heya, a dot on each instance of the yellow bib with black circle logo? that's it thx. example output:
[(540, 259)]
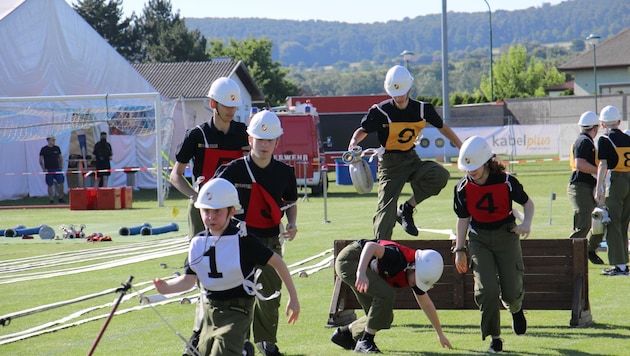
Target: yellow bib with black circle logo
[(402, 135)]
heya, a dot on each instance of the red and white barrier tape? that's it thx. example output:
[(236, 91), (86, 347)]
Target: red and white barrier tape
[(88, 172)]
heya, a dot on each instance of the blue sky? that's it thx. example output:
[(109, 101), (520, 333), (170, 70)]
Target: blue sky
[(331, 10)]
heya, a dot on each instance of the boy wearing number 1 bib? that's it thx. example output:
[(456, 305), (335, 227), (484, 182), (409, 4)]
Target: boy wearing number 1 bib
[(223, 258)]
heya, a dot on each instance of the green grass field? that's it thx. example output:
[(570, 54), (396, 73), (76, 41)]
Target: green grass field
[(343, 215)]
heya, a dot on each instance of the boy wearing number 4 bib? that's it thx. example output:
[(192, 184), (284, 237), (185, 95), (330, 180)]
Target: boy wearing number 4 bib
[(483, 205), (224, 258)]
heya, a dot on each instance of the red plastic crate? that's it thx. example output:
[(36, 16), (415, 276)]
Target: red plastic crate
[(126, 197), (108, 198), (82, 198), (78, 199)]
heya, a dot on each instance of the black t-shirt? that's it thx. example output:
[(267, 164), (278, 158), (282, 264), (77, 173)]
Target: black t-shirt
[(416, 111), (193, 146), (277, 178), (51, 157), (584, 148), (102, 152), (606, 150), (393, 261)]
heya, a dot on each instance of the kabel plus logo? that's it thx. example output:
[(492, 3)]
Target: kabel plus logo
[(528, 142)]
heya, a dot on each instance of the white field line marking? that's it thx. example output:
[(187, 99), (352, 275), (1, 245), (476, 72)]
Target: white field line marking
[(50, 306), (44, 328), (308, 259), (327, 262), (98, 266), (102, 247), (79, 256), (107, 257), (83, 321)]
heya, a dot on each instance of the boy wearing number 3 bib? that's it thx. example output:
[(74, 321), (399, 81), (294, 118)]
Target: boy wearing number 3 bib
[(483, 205), (224, 258)]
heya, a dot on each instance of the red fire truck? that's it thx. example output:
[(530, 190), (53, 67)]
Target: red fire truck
[(300, 145)]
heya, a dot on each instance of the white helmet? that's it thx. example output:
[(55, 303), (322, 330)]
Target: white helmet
[(429, 267), (475, 152), (609, 115), (225, 91), (217, 193), (398, 81), (588, 119), (265, 125)]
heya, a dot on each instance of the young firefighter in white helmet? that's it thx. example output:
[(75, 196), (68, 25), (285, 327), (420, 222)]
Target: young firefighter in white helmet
[(483, 205), (217, 141), (398, 122), (613, 150), (373, 269), (267, 188), (581, 188), (211, 144), (224, 259)]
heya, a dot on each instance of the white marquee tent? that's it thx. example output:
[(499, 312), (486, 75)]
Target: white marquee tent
[(49, 50)]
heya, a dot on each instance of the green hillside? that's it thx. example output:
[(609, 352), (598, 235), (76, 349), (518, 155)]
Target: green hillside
[(311, 43)]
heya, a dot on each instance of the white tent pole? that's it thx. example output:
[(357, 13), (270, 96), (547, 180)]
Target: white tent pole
[(158, 149)]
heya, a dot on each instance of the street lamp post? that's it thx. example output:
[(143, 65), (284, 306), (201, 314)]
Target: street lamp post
[(491, 74), (593, 40), (407, 56)]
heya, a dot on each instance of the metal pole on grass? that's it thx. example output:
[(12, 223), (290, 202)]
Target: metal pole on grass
[(304, 172), (325, 184), (594, 40), (491, 74), (551, 199), (122, 290)]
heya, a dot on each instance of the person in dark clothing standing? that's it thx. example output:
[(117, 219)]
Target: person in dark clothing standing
[(102, 156), (581, 188), (51, 161)]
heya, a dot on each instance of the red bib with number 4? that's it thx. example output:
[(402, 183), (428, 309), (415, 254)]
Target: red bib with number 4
[(488, 203)]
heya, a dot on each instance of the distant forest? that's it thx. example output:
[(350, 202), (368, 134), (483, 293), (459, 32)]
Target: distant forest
[(321, 43)]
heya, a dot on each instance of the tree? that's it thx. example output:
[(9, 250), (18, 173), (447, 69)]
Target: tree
[(256, 55), (166, 37), (106, 17), (514, 77)]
